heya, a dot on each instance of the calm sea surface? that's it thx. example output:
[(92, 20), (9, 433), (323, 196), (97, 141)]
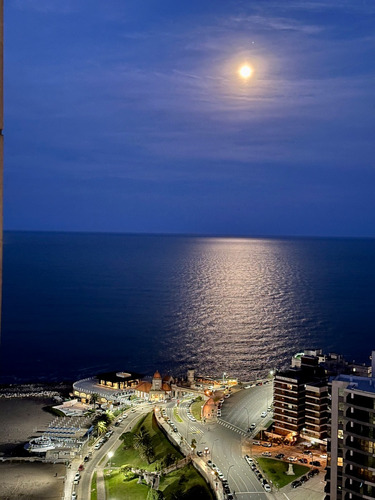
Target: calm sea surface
[(75, 304)]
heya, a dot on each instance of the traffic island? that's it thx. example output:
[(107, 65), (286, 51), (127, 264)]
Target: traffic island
[(276, 471)]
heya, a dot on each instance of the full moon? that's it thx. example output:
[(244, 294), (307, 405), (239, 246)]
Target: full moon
[(245, 71)]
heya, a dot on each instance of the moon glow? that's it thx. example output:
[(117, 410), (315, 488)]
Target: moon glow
[(245, 71)]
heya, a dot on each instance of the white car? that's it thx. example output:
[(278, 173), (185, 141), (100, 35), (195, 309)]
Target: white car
[(77, 476), (248, 459), (263, 414), (74, 495), (292, 459), (323, 456), (267, 488)]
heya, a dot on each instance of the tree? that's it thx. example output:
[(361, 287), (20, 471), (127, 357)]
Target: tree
[(193, 443), (100, 427), (128, 440), (108, 416), (168, 460), (143, 443), (94, 398)]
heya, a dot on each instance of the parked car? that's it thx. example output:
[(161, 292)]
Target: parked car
[(209, 463), (252, 426), (74, 495), (307, 452), (302, 460), (304, 479), (256, 442), (86, 459), (280, 455), (248, 459), (295, 484), (315, 463), (323, 456), (263, 414), (267, 487), (292, 459), (77, 476), (266, 444), (200, 453), (267, 454), (81, 467)]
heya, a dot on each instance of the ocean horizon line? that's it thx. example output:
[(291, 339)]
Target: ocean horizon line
[(193, 235)]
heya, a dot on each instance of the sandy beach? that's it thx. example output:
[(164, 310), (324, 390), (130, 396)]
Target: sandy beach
[(21, 419), (31, 481)]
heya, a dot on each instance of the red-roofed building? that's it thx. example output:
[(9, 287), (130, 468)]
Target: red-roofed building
[(159, 390)]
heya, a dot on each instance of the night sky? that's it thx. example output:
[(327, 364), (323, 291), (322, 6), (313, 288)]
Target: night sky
[(131, 116)]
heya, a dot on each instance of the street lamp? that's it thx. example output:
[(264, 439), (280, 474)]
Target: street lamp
[(229, 468), (110, 455)]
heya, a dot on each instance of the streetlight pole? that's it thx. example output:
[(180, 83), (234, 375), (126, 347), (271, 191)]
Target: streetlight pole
[(110, 455), (229, 468)]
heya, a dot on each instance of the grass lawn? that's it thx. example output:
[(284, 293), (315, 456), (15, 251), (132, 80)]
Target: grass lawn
[(116, 487), (185, 483), (160, 444), (275, 470), (94, 492), (196, 409)]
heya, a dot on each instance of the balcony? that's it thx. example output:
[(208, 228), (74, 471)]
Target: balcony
[(360, 459), (361, 445), (359, 415), (360, 431)]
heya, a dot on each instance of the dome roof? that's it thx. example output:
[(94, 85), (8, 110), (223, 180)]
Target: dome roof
[(157, 375)]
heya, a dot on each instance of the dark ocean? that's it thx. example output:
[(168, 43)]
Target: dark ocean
[(75, 304)]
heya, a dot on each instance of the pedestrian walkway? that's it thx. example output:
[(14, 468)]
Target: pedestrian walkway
[(232, 427), (100, 484)]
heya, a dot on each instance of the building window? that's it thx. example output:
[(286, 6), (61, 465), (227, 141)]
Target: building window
[(340, 434), (339, 461)]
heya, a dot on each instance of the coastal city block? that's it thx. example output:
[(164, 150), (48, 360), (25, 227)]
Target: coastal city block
[(306, 430)]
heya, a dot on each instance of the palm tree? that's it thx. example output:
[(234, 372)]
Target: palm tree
[(100, 427), (109, 416), (94, 398)]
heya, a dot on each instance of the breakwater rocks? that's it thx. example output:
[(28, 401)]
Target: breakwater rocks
[(35, 390)]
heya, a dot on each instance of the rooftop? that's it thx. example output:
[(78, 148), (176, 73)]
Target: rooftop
[(361, 384)]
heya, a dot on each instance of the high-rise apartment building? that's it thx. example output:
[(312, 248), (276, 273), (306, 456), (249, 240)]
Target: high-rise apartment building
[(301, 398), (351, 438), (301, 395)]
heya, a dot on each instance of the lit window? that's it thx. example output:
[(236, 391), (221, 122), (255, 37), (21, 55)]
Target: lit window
[(339, 461), (340, 434)]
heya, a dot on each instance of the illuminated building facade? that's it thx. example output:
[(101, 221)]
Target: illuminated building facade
[(351, 441)]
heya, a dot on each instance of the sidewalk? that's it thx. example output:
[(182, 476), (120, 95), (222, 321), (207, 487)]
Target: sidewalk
[(100, 484)]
